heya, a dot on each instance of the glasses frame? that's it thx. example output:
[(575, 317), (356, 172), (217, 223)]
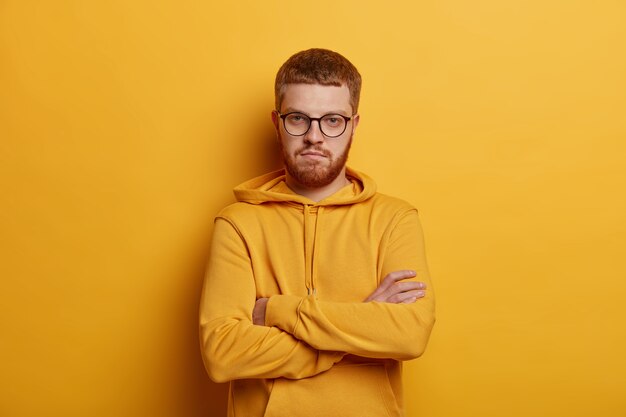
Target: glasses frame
[(319, 122)]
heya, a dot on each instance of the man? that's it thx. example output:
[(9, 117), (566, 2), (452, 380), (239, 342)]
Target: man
[(316, 285)]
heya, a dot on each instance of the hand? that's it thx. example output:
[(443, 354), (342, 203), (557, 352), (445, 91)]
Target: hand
[(258, 314), (391, 290)]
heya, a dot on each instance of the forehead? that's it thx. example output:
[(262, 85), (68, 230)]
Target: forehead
[(316, 99)]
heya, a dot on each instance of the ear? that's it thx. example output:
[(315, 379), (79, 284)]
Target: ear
[(276, 122), (355, 121)]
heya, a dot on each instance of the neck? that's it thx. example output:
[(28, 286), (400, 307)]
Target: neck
[(318, 193)]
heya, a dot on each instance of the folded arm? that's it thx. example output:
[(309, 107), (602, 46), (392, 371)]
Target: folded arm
[(397, 330), (232, 346)]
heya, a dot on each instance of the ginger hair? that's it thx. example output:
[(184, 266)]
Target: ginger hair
[(318, 66)]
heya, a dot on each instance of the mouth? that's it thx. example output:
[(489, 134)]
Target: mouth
[(312, 157), (310, 153)]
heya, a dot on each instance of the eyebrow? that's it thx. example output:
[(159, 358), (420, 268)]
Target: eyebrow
[(292, 109)]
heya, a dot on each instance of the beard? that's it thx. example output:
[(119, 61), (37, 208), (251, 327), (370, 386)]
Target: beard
[(315, 174)]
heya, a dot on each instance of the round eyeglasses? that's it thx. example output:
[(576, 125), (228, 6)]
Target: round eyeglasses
[(298, 124)]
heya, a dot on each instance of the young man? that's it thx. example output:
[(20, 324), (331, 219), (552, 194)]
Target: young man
[(317, 286)]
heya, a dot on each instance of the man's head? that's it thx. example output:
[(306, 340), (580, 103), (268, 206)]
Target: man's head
[(317, 96), (318, 66)]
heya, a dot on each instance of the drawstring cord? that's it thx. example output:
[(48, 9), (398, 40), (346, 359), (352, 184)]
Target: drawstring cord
[(310, 261)]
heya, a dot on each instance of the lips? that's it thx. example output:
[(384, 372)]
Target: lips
[(314, 152)]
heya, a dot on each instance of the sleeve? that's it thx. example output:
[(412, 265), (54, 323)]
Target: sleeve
[(232, 346), (372, 329)]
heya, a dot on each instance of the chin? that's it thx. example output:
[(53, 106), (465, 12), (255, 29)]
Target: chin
[(314, 177)]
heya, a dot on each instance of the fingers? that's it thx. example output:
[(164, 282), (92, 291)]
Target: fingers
[(391, 293), (406, 297), (402, 292), (258, 313), (396, 276), (407, 286), (391, 286), (389, 280)]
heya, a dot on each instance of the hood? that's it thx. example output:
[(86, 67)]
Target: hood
[(272, 187)]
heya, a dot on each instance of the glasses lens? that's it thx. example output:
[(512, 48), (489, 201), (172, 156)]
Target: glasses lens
[(297, 123), (333, 125)]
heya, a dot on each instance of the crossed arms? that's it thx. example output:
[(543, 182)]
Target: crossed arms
[(298, 337)]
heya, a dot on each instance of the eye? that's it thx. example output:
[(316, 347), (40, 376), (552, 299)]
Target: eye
[(296, 118), (333, 120)]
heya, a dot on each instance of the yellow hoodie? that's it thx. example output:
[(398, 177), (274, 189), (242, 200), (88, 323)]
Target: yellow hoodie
[(323, 351)]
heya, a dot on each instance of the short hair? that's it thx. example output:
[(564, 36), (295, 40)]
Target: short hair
[(318, 66)]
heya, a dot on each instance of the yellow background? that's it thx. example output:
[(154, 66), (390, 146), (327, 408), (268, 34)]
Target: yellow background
[(124, 126)]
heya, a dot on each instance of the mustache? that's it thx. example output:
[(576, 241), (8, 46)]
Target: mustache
[(324, 152)]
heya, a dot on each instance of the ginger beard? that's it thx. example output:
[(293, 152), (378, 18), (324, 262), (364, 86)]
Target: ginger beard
[(314, 174)]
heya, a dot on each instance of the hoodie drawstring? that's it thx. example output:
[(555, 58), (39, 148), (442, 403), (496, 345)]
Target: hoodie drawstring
[(316, 248), (311, 231)]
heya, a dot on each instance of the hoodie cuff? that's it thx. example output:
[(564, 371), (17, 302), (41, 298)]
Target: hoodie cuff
[(282, 311)]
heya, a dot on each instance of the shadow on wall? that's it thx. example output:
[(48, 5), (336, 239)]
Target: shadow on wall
[(259, 153), (217, 396)]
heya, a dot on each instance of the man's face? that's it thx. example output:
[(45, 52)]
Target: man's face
[(314, 160)]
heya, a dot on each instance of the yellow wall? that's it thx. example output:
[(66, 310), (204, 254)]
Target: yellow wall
[(125, 124)]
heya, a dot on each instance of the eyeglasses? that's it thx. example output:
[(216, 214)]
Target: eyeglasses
[(331, 125)]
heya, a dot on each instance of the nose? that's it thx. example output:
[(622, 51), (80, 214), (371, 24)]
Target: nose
[(314, 134)]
